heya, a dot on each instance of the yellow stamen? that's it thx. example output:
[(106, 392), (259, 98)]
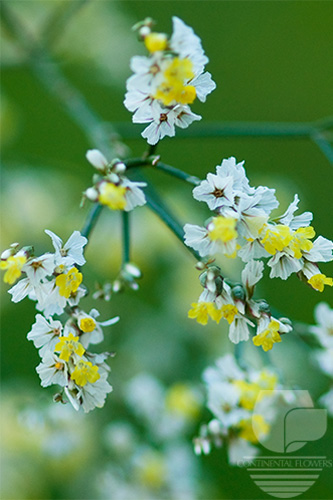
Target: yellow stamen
[(222, 229), (69, 345), (156, 41), (113, 196), (229, 312), (276, 238), (268, 337), (85, 372), (301, 242), (69, 283), (87, 324), (13, 266), (201, 311), (318, 282)]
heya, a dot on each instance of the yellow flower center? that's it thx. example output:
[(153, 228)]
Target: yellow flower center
[(318, 281), (276, 238), (301, 242), (222, 229), (113, 196), (229, 312), (69, 283), (201, 311), (13, 266), (85, 372), (174, 87), (87, 324), (67, 346), (268, 337), (156, 41)]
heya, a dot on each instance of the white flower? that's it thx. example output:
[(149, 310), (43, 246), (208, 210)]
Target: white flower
[(162, 123), (216, 191), (324, 328), (52, 370), (283, 265), (223, 399), (50, 301), (165, 83), (134, 196), (45, 334), (321, 250), (21, 290), (229, 167), (239, 329), (220, 236), (91, 328), (187, 44), (72, 251), (38, 268), (91, 396), (252, 273), (298, 221)]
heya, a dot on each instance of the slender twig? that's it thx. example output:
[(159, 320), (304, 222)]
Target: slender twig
[(126, 237), (170, 221), (323, 145), (91, 219), (163, 167)]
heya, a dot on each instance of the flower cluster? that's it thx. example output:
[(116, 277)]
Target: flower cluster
[(323, 333), (166, 82), (243, 404), (111, 187), (54, 282), (241, 225)]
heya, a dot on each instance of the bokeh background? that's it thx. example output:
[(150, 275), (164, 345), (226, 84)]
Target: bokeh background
[(272, 62)]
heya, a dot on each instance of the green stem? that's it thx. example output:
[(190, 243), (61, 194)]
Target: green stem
[(91, 219), (126, 237), (163, 167), (170, 221)]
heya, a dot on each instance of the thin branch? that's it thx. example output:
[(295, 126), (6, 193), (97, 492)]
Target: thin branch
[(324, 145), (170, 221), (126, 237), (91, 219), (163, 167)]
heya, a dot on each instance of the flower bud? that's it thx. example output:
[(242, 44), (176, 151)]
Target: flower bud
[(133, 270), (238, 292), (91, 193)]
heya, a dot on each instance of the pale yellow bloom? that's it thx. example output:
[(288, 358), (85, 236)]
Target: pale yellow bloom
[(318, 281), (201, 311)]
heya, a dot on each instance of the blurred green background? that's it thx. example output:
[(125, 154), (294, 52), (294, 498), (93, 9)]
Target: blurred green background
[(272, 62)]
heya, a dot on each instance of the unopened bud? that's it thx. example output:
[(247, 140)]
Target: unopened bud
[(91, 193), (144, 31), (238, 292), (119, 167), (117, 286), (264, 307), (133, 270)]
